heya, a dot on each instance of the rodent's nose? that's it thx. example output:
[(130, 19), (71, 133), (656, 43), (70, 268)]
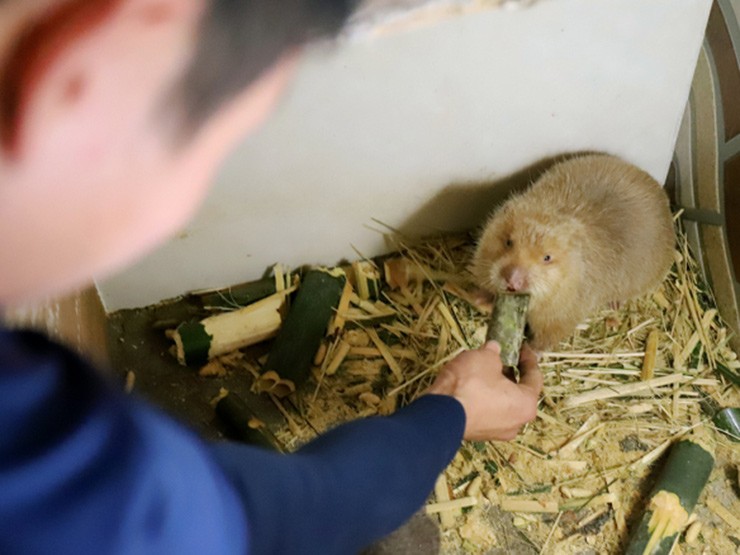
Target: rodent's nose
[(515, 278)]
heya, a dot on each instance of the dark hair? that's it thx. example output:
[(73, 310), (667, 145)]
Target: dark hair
[(240, 39)]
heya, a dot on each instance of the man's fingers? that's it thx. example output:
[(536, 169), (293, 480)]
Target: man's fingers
[(492, 346), (531, 377), (529, 373), (527, 356), (444, 384)]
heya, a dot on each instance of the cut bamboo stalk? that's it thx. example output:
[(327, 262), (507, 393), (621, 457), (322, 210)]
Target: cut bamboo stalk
[(367, 279), (694, 311), (455, 330), (661, 300), (401, 272), (622, 390), (469, 298), (651, 456), (615, 488), (590, 426), (428, 309), (578, 503), (244, 424), (542, 415), (197, 342), (271, 382), (442, 495), (474, 487), (507, 323), (411, 300), (590, 518), (294, 429), (386, 354), (364, 352), (444, 340), (337, 323), (574, 466), (369, 398), (369, 307), (358, 318), (305, 326), (651, 351), (373, 352), (570, 493), (675, 494), (279, 277), (423, 373), (321, 353), (452, 505), (638, 327), (721, 511), (593, 356), (512, 505), (692, 533), (679, 362), (339, 355)]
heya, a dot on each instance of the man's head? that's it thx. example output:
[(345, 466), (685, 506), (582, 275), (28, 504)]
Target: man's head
[(114, 114)]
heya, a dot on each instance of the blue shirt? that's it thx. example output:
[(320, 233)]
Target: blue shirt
[(86, 469)]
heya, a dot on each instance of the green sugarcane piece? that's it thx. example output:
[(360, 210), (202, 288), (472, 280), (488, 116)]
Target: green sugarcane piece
[(244, 425), (370, 320), (674, 496), (239, 295), (508, 319), (306, 324)]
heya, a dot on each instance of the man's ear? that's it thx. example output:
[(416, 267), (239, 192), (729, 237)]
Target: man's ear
[(39, 43), (42, 42)]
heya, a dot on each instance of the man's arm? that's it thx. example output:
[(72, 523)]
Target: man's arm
[(364, 479), (349, 487), (83, 467), (86, 469)]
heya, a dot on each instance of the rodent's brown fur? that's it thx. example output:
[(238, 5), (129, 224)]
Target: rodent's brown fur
[(607, 226)]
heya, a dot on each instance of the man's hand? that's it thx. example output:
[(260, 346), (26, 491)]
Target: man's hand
[(495, 407)]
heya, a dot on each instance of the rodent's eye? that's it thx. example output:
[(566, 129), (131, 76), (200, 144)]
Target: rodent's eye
[(547, 258), (509, 243)]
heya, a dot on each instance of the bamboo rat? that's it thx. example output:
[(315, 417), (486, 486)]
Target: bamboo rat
[(592, 230)]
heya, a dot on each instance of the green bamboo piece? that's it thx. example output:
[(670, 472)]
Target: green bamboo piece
[(304, 327), (198, 342), (728, 422), (508, 320), (674, 496), (367, 280), (244, 425)]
